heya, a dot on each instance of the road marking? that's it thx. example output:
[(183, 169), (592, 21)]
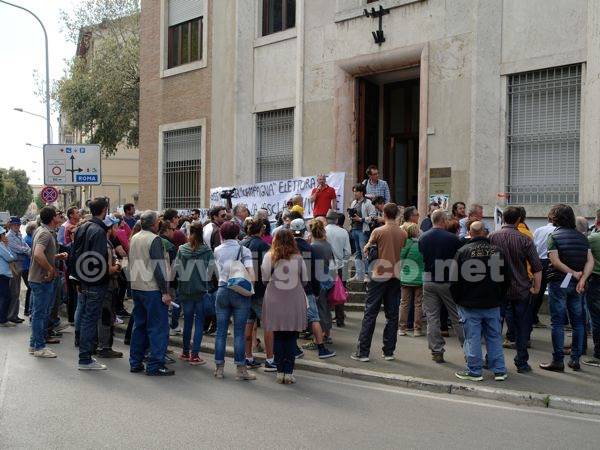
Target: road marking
[(430, 395)]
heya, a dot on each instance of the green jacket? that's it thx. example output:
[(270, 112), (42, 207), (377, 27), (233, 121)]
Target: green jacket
[(412, 264), (194, 269)]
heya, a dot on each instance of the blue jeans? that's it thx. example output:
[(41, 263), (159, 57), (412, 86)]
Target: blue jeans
[(475, 321), (78, 312), (521, 313), (150, 330), (230, 303), (560, 301), (42, 298), (360, 239), (593, 304), (92, 298), (4, 297), (193, 316)]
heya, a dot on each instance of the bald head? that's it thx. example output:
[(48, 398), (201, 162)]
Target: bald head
[(477, 229)]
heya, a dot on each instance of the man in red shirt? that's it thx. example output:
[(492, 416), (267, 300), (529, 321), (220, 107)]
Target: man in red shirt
[(323, 197)]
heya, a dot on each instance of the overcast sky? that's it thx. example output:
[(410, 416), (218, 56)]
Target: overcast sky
[(22, 53)]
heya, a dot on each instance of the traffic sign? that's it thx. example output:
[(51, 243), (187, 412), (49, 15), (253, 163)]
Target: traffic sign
[(72, 165), (49, 194)]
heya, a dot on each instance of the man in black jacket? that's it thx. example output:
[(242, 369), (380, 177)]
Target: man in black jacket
[(479, 286)]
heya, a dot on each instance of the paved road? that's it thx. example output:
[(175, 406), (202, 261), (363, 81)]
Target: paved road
[(49, 404)]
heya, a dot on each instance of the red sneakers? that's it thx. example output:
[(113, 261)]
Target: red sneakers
[(195, 360), (185, 356)]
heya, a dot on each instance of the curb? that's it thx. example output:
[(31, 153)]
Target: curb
[(571, 404)]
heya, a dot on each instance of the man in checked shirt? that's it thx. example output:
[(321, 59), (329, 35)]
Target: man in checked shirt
[(519, 250)]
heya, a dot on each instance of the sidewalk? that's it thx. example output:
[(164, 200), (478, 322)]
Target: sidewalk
[(413, 360)]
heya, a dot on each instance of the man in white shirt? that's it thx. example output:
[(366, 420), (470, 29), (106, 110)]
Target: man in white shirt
[(339, 239), (540, 240)]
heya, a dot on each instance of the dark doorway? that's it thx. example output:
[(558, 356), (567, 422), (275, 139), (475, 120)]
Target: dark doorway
[(397, 120)]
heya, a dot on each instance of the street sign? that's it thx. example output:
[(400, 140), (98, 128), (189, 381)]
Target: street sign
[(49, 194), (72, 165)]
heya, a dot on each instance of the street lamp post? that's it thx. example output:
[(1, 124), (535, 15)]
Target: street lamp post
[(48, 128)]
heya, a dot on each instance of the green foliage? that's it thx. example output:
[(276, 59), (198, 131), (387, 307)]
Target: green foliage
[(38, 201), (15, 192), (100, 93)]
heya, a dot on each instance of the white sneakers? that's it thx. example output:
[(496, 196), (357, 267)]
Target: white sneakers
[(44, 353), (7, 324)]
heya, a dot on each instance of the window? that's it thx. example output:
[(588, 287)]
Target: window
[(278, 15), (185, 32), (275, 145), (543, 136), (181, 168)]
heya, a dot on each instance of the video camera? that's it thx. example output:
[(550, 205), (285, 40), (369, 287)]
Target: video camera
[(228, 193)]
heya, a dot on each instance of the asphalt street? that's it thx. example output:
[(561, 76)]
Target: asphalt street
[(50, 404)]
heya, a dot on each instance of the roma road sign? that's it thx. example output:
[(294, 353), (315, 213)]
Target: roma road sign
[(49, 194), (72, 165)]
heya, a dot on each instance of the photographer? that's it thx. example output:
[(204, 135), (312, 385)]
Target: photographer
[(361, 213)]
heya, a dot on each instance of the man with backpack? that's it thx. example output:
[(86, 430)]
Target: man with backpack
[(89, 264)]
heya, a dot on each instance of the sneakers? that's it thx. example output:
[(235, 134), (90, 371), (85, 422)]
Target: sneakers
[(438, 358), (289, 378), (402, 333), (162, 372), (524, 369), (299, 353), (7, 324), (389, 357), (417, 333), (252, 363), (468, 376), (270, 367), (109, 353), (310, 346), (325, 353), (500, 376), (169, 360), (219, 371), (356, 357), (185, 356), (61, 326), (44, 353), (94, 365), (594, 362), (553, 366), (574, 366), (195, 360), (242, 374), (280, 377)]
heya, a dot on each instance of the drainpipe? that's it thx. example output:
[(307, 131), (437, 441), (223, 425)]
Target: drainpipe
[(423, 187), (298, 112)]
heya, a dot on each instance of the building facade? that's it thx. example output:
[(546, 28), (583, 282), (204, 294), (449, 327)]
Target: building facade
[(488, 101)]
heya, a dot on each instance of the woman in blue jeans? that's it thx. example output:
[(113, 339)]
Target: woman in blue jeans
[(230, 303), (194, 264)]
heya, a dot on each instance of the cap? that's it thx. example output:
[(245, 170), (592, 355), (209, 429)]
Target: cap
[(297, 208), (2, 230), (109, 221), (14, 220), (298, 227)]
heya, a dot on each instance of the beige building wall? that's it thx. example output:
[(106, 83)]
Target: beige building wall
[(170, 99)]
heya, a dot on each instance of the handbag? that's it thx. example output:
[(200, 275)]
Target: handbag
[(239, 280), (338, 295)]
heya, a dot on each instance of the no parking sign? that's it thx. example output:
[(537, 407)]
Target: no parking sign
[(49, 194)]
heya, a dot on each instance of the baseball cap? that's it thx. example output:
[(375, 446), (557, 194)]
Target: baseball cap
[(2, 230), (298, 227), (110, 221), (297, 208), (14, 220)]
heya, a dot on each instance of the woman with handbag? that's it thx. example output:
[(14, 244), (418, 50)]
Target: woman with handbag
[(285, 303), (234, 263), (411, 279), (194, 264)]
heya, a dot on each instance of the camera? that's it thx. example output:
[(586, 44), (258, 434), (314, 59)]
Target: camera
[(228, 193), (352, 212)]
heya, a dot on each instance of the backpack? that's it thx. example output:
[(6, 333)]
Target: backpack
[(77, 249)]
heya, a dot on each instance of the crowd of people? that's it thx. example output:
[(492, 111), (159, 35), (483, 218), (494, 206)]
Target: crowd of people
[(289, 280)]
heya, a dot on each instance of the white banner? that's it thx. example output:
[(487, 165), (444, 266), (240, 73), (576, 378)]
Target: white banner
[(273, 195)]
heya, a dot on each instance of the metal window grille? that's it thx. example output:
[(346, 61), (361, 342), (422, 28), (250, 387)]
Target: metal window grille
[(543, 135), (275, 145), (181, 168)]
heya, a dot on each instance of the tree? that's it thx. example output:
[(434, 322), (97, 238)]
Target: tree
[(16, 194), (99, 95), (39, 202)]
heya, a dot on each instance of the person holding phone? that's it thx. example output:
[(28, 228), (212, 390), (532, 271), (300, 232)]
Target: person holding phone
[(361, 213)]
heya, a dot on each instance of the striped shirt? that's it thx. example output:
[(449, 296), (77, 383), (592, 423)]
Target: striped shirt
[(381, 189), (518, 250)]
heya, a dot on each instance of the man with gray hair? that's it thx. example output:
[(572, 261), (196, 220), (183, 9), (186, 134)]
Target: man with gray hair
[(151, 299), (475, 213), (438, 248), (582, 225)]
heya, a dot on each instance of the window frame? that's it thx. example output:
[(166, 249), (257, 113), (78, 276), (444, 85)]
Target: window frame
[(257, 149), (265, 16), (178, 28)]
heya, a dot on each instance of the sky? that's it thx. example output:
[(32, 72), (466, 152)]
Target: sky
[(22, 53)]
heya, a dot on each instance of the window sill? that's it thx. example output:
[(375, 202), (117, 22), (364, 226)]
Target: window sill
[(183, 68), (349, 14), (290, 33)]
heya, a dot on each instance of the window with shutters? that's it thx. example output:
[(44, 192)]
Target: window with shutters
[(275, 145), (278, 15), (543, 135), (181, 184)]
